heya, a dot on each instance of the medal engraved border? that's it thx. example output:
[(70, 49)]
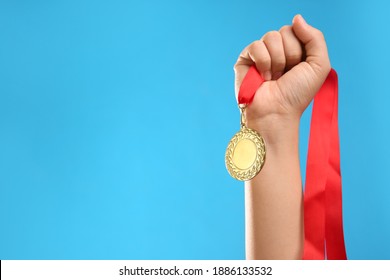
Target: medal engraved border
[(245, 174)]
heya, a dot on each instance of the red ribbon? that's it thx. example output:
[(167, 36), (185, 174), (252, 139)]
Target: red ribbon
[(324, 237)]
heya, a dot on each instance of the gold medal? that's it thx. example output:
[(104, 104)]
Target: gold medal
[(245, 154)]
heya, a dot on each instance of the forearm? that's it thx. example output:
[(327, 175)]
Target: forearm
[(273, 199)]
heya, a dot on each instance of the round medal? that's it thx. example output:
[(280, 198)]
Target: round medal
[(245, 154)]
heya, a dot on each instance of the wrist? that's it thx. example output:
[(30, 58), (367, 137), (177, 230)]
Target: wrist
[(280, 133)]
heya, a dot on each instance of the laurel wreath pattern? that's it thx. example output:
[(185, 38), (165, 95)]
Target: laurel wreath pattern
[(245, 174)]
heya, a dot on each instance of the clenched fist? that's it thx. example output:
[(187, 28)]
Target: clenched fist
[(294, 62)]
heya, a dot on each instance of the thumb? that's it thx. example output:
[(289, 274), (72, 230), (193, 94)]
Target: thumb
[(314, 44)]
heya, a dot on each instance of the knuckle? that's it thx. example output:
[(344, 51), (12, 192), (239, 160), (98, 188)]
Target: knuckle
[(284, 29), (272, 35), (256, 44), (319, 35)]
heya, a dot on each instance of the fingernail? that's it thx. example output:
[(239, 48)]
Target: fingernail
[(277, 75), (267, 75)]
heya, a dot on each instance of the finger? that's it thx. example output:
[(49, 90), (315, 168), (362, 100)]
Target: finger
[(257, 53), (292, 47), (274, 43), (315, 46)]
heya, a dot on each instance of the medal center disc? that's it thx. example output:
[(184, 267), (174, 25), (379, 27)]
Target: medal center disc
[(244, 154)]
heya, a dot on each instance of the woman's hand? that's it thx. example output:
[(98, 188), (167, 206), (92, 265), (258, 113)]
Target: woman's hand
[(294, 62)]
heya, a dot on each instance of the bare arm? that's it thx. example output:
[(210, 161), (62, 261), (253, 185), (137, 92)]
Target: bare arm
[(295, 63)]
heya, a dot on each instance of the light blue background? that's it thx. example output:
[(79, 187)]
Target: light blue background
[(115, 115)]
